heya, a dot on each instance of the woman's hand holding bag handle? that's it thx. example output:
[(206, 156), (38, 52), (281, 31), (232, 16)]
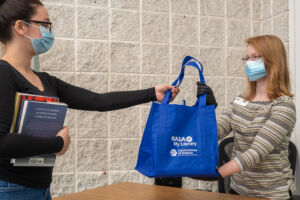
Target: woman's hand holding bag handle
[(180, 140)]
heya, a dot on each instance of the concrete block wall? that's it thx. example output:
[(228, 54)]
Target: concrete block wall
[(111, 45), (276, 19)]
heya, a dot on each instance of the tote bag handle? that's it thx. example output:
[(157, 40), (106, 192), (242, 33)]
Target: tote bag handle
[(188, 61)]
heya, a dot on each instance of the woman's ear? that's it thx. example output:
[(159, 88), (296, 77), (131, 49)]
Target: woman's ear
[(20, 27)]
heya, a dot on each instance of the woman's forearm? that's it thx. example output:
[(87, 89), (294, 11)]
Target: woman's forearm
[(229, 169)]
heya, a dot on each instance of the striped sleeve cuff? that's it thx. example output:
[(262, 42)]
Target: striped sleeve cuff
[(238, 162), (247, 159)]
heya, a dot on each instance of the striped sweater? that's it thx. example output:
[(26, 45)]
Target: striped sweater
[(261, 132)]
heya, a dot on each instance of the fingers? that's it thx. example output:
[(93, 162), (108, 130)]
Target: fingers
[(201, 84), (64, 134), (175, 91), (173, 97), (169, 87), (203, 87), (202, 91)]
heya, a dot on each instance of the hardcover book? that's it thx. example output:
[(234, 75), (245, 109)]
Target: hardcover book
[(20, 97), (42, 119)]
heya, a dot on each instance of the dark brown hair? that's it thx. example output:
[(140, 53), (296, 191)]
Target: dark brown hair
[(13, 10)]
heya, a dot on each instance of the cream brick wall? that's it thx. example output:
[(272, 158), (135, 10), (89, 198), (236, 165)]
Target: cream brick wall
[(110, 45)]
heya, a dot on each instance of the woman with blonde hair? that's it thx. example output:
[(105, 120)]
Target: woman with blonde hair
[(262, 121)]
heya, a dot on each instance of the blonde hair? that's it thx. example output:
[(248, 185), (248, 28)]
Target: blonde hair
[(274, 56)]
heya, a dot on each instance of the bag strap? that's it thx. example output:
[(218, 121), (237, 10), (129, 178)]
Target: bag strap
[(188, 61)]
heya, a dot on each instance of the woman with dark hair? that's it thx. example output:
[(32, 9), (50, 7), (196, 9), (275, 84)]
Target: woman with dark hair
[(262, 121), (25, 29)]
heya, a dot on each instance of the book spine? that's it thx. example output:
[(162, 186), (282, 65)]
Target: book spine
[(17, 105), (22, 116)]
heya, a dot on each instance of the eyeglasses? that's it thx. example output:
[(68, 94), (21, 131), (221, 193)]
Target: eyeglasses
[(46, 24), (252, 58)]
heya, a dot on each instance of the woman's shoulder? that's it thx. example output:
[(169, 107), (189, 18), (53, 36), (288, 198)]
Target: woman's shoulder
[(5, 70), (284, 102), (8, 79), (5, 67), (284, 98)]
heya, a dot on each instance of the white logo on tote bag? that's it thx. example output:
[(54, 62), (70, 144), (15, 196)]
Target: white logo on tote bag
[(173, 152)]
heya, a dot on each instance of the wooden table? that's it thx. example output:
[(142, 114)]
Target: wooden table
[(136, 191)]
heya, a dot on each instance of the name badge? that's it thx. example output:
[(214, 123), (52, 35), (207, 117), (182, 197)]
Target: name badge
[(240, 101)]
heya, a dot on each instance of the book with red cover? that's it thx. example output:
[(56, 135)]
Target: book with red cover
[(19, 98)]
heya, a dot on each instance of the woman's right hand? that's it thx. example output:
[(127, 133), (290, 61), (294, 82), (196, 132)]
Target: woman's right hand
[(64, 133)]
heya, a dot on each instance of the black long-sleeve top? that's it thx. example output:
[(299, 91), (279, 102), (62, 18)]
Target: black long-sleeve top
[(18, 145)]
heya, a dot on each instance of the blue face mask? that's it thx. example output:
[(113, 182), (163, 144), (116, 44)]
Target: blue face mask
[(44, 43), (255, 69)]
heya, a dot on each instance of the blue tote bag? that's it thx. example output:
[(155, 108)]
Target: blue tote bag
[(180, 140)]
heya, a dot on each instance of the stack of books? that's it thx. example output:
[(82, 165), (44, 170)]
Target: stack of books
[(41, 116)]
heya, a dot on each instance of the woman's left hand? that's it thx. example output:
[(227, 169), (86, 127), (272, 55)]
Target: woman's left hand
[(160, 91)]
